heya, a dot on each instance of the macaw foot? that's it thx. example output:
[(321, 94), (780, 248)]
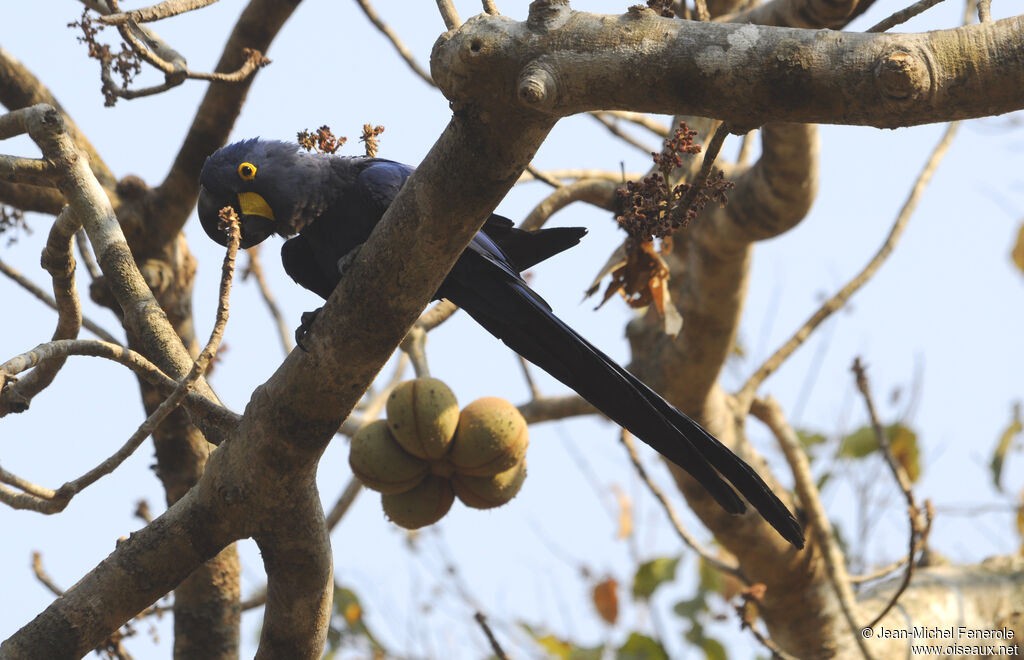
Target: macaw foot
[(346, 261), (305, 324)]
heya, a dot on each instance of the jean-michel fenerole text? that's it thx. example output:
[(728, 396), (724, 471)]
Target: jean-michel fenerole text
[(946, 632)]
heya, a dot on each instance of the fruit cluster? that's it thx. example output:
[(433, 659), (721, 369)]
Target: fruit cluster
[(426, 452)]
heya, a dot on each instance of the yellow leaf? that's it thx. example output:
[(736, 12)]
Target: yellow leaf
[(1018, 249)]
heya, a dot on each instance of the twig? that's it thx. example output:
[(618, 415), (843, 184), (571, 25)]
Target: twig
[(448, 14), (533, 173), (710, 154), (770, 413), (549, 408), (255, 268), (60, 498), (534, 390), (46, 298), (903, 15), (918, 530), (878, 573), (152, 49), (554, 177), (159, 11), (345, 500), (70, 489), (85, 252), (747, 612), (984, 11), (43, 576), (640, 119), (593, 191), (614, 129), (702, 10), (482, 620), (197, 403), (415, 346), (836, 302), (677, 524), (403, 51)]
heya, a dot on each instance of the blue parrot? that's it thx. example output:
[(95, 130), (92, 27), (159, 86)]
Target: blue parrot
[(327, 205)]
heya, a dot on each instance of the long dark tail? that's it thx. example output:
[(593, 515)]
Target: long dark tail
[(514, 313)]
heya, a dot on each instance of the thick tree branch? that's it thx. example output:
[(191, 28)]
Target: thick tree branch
[(746, 75)]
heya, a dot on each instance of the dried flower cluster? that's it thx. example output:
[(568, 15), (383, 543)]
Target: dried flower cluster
[(663, 7), (369, 137), (124, 63), (12, 220), (652, 209), (323, 141)]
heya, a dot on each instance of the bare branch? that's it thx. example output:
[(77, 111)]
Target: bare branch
[(552, 177), (984, 11), (479, 616), (770, 412), (903, 15), (448, 14), (46, 298), (402, 49), (640, 119), (677, 524), (614, 129), (255, 269), (746, 393), (157, 12), (550, 408), (918, 529), (594, 191), (345, 500)]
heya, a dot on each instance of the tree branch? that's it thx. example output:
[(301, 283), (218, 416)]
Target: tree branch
[(837, 301), (877, 80)]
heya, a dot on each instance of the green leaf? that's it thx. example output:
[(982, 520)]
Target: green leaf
[(713, 649), (809, 440), (641, 647), (859, 444), (652, 574), (560, 648), (1006, 441), (711, 579), (902, 440), (690, 609)]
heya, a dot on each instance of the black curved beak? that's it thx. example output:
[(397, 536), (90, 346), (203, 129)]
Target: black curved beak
[(254, 228)]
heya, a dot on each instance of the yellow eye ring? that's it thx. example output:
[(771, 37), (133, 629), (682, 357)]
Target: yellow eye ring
[(247, 171)]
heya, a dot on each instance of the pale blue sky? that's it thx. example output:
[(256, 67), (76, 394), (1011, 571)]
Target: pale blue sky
[(948, 304)]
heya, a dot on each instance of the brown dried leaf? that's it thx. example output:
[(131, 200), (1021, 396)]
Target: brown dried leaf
[(606, 600)]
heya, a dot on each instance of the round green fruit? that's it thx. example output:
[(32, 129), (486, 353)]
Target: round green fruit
[(423, 505), (491, 438), (380, 463), (422, 415), (489, 492)]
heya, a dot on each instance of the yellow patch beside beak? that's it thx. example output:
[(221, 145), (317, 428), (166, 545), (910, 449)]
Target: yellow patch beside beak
[(254, 204)]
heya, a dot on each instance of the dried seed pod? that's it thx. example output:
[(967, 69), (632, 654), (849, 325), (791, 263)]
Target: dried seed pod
[(489, 492), (423, 505), (491, 437), (380, 463), (422, 416)]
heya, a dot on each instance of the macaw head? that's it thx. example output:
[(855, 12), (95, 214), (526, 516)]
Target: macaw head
[(270, 184)]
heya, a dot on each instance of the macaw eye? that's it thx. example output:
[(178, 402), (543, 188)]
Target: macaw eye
[(247, 171)]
